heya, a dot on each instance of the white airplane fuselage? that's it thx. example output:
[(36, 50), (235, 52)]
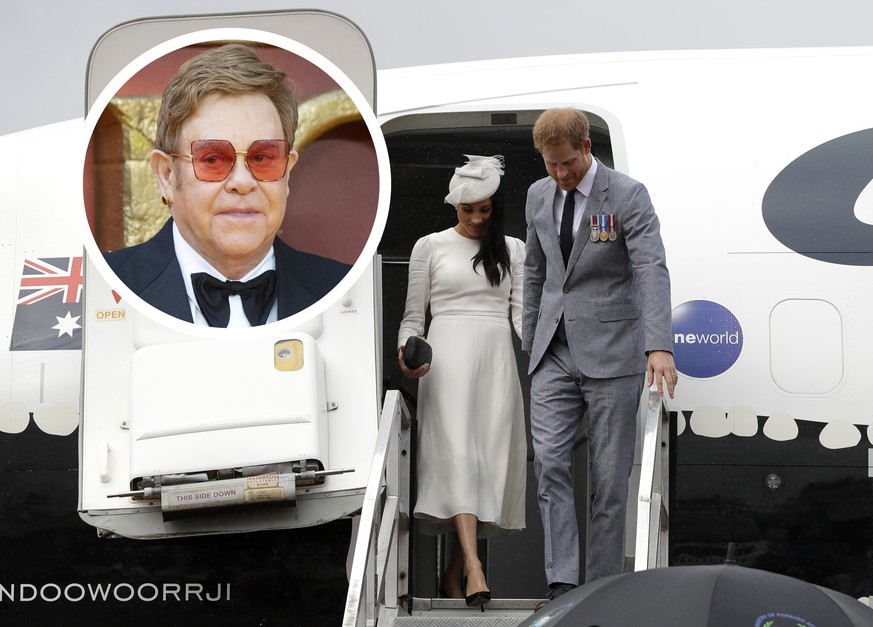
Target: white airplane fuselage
[(760, 167)]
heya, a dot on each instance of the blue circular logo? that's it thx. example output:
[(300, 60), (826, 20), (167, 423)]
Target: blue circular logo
[(707, 338)]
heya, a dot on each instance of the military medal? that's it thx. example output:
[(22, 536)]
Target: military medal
[(595, 228), (604, 233), (612, 233)]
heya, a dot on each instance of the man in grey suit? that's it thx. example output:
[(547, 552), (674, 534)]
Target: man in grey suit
[(596, 317)]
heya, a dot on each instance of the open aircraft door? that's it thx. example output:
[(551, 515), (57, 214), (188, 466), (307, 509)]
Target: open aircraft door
[(189, 430)]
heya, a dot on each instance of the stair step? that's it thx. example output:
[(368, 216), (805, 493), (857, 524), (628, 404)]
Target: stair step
[(459, 621), (450, 612)]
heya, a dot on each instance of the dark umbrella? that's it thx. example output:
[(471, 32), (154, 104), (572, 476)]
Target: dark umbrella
[(702, 596)]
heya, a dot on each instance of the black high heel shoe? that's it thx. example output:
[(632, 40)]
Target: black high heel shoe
[(478, 598)]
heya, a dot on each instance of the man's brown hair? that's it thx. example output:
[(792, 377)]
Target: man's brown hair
[(556, 126)]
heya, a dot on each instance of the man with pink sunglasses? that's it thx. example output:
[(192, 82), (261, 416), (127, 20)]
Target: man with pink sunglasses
[(223, 155)]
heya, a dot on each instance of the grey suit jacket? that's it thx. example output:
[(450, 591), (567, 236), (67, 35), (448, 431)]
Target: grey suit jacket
[(614, 295)]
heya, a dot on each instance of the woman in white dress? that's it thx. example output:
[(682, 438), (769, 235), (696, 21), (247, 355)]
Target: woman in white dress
[(472, 450)]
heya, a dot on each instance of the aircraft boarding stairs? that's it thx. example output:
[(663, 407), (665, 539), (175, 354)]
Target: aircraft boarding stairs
[(379, 592)]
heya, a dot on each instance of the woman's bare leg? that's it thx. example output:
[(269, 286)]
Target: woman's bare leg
[(467, 526), (450, 583)]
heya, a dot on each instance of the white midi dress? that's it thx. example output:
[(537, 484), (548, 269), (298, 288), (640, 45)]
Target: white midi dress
[(472, 449)]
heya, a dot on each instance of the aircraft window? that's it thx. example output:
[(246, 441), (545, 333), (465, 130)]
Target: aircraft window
[(799, 328)]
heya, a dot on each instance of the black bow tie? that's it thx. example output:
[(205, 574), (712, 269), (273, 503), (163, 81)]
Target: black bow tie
[(257, 296)]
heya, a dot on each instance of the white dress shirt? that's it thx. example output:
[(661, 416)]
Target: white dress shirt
[(191, 262), (584, 189)]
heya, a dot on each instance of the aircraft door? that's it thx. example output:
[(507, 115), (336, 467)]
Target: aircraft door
[(187, 429)]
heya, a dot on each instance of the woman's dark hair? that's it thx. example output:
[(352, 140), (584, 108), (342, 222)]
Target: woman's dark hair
[(493, 253)]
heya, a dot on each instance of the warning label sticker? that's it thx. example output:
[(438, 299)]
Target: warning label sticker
[(269, 480)]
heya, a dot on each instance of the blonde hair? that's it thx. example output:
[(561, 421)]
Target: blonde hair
[(231, 69)]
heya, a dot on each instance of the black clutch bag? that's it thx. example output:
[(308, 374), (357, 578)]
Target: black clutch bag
[(416, 352)]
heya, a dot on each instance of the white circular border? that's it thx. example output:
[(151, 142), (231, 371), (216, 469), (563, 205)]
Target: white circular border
[(366, 256)]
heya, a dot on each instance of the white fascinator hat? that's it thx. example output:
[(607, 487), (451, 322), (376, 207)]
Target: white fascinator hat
[(477, 180)]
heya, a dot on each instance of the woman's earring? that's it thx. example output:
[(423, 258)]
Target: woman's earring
[(164, 200)]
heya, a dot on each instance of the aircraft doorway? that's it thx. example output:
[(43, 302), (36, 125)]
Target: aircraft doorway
[(424, 150)]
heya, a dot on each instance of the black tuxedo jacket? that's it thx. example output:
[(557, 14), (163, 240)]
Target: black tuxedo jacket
[(152, 271)]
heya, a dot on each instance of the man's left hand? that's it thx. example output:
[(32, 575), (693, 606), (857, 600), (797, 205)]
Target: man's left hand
[(662, 370)]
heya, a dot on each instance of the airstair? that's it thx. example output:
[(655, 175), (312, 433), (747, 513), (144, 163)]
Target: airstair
[(379, 594)]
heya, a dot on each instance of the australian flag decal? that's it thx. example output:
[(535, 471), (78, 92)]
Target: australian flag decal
[(48, 313)]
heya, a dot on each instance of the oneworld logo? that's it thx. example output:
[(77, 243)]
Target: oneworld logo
[(707, 338)]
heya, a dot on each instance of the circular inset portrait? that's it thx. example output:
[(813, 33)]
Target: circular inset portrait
[(233, 183)]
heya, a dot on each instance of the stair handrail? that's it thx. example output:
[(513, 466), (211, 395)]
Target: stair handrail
[(378, 577), (652, 516)]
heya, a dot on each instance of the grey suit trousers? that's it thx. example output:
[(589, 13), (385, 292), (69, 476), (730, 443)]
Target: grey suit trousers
[(560, 395)]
